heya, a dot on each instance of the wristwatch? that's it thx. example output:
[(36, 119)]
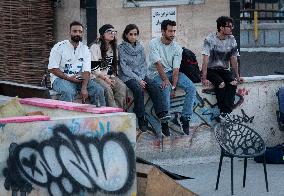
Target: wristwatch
[(174, 88)]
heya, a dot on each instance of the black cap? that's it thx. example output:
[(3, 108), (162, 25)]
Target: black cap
[(105, 27)]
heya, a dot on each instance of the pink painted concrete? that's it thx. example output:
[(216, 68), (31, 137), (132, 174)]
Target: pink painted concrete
[(51, 103), (23, 119)]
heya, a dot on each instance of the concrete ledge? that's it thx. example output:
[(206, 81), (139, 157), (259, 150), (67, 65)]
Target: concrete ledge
[(255, 106), (264, 78)]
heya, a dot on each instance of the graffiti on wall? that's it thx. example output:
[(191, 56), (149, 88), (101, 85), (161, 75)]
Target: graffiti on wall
[(204, 111), (67, 164)]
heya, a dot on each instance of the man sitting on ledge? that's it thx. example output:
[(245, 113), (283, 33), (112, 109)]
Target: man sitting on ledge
[(165, 58), (70, 67), (219, 52)]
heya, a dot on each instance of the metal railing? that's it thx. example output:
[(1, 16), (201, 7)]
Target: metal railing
[(267, 10), (262, 15)]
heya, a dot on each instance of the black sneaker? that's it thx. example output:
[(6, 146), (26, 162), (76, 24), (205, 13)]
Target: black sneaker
[(185, 124), (143, 124), (165, 129), (165, 118)]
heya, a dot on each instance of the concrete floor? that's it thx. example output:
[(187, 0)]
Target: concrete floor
[(205, 176)]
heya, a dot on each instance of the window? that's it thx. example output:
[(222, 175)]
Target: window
[(145, 3)]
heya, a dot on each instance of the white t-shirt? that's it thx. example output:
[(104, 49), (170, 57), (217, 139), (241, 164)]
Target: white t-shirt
[(169, 56), (70, 60), (96, 55)]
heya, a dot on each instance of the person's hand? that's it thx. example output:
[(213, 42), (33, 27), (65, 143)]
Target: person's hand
[(85, 94), (143, 84), (241, 80), (206, 82), (173, 92), (165, 83), (74, 79)]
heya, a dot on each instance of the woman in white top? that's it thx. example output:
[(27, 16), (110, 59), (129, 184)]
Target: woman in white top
[(104, 67)]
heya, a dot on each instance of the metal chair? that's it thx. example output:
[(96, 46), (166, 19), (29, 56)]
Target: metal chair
[(238, 140)]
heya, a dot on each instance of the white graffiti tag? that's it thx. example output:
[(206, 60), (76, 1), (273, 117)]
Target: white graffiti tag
[(67, 163)]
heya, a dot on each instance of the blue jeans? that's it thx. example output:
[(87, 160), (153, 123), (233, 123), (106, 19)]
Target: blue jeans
[(68, 90), (154, 93), (184, 83)]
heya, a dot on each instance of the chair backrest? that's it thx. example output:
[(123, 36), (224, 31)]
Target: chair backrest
[(239, 140)]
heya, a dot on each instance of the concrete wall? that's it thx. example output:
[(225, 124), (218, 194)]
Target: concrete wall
[(255, 106), (194, 21), (70, 154), (67, 11), (269, 35)]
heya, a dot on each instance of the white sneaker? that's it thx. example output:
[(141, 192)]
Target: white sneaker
[(222, 118)]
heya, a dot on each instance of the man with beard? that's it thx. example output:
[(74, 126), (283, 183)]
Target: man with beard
[(70, 67), (165, 59), (220, 53)]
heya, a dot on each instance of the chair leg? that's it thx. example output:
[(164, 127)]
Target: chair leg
[(219, 170), (265, 173), (232, 176), (245, 172)]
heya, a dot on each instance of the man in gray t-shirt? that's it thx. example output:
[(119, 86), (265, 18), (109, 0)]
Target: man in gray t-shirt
[(220, 53)]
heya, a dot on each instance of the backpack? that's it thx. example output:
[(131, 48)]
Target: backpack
[(273, 155), (189, 65), (280, 113)]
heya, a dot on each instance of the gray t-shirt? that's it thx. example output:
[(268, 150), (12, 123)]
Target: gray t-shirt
[(169, 55), (219, 51)]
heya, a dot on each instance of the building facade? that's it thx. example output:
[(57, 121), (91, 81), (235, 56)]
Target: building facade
[(195, 19)]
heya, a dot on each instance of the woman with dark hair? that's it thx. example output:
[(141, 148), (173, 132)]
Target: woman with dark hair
[(104, 66), (133, 71)]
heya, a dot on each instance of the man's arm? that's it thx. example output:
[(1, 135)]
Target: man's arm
[(84, 91), (86, 70), (155, 59), (162, 74), (86, 77), (57, 72), (235, 68), (204, 70), (175, 77)]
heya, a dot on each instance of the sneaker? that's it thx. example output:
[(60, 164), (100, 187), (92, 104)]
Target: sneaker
[(182, 122), (165, 118), (143, 124), (185, 124), (176, 120), (165, 129), (222, 118)]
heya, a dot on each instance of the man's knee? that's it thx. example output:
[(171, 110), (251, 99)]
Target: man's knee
[(68, 95), (190, 88), (234, 83)]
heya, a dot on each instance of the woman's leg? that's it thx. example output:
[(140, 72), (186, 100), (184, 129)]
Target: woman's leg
[(119, 91), (108, 92)]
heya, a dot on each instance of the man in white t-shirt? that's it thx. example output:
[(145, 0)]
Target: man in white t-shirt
[(70, 67)]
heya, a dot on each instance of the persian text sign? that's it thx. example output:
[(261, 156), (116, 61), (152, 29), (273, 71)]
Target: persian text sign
[(160, 14)]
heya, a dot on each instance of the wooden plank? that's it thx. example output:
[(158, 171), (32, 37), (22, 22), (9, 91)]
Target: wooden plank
[(152, 182)]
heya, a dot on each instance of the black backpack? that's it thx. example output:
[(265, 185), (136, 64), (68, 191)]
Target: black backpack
[(189, 65), (273, 155)]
